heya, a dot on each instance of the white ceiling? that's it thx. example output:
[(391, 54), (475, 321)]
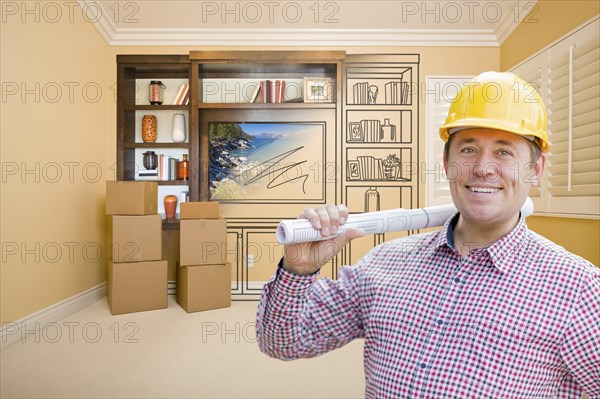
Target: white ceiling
[(307, 22)]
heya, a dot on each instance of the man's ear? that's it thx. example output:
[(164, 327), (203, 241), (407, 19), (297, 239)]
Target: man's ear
[(539, 166), (445, 162)]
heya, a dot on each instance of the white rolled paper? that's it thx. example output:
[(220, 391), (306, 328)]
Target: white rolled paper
[(301, 230)]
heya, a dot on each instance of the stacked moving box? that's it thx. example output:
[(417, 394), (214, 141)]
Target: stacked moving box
[(203, 276), (137, 275)]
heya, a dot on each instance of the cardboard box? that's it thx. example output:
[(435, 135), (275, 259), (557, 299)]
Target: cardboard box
[(204, 287), (131, 198), (202, 241), (137, 286), (136, 238), (199, 210)]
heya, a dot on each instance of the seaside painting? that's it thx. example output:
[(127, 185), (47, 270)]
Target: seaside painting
[(264, 162)]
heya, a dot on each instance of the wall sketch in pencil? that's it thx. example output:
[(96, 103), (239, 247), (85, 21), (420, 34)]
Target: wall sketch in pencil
[(389, 164), (379, 86), (379, 126), (267, 161)]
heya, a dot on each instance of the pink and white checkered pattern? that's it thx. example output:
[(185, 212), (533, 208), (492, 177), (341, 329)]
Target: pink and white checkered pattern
[(518, 319)]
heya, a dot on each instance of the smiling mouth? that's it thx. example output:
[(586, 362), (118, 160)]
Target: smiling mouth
[(485, 190)]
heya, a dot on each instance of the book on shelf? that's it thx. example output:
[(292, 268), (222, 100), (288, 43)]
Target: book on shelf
[(282, 95), (182, 96), (277, 94), (167, 168), (262, 91), (147, 175), (254, 95), (268, 91)]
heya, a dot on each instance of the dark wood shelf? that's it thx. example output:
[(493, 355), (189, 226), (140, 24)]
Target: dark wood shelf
[(170, 224), (266, 106), (134, 107), (156, 145), (169, 182)]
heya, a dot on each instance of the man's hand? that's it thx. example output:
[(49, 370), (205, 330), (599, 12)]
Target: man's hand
[(307, 258)]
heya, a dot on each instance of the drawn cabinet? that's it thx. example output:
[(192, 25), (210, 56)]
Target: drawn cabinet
[(380, 138)]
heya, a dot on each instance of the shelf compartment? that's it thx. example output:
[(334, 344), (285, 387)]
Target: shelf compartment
[(134, 107), (168, 182), (156, 145), (266, 105)]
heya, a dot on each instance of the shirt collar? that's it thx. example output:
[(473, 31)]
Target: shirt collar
[(501, 252)]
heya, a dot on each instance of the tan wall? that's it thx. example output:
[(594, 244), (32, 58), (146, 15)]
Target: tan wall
[(68, 213), (52, 215), (555, 19), (550, 20), (580, 236)]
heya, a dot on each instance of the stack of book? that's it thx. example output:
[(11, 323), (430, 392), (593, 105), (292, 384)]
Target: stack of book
[(396, 92), (269, 92), (167, 170), (183, 95), (360, 93)]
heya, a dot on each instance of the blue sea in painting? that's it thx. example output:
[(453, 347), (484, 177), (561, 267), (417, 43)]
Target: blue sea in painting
[(273, 139)]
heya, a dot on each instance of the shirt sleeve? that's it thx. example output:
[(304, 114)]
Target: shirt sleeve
[(581, 346), (301, 317)]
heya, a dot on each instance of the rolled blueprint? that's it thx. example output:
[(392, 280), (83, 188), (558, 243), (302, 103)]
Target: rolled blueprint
[(301, 230)]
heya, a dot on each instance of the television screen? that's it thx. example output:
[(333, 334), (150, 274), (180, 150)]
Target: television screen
[(264, 162)]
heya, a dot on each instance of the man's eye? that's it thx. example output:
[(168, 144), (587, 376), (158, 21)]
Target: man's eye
[(505, 153), (467, 150)]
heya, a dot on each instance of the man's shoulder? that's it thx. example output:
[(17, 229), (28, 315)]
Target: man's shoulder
[(552, 254)]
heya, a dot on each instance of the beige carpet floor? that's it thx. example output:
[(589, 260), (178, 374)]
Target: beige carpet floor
[(168, 354)]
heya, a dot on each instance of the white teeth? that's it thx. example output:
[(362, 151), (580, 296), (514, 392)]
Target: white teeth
[(484, 189)]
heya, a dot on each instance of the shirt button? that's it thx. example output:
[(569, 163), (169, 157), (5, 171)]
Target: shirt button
[(423, 365), (457, 280), (440, 322)]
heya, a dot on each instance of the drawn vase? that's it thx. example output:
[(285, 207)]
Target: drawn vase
[(149, 126), (150, 160), (388, 131), (170, 206), (372, 200), (178, 128)]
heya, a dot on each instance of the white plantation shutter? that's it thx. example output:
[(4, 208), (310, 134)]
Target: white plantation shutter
[(569, 75), (574, 123), (439, 93), (534, 72)]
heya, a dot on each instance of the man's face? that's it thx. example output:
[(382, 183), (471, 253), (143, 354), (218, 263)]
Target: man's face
[(490, 173)]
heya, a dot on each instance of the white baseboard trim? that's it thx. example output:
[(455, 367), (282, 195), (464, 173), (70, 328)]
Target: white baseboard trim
[(13, 332)]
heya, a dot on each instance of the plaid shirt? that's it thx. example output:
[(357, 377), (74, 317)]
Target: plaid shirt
[(518, 319)]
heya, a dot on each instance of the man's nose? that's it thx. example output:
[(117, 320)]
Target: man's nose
[(486, 166)]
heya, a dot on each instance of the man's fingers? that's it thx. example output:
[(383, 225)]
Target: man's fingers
[(327, 219), (347, 236), (311, 215)]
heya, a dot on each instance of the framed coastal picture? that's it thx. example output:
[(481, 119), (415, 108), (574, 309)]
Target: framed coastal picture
[(267, 162), (318, 90)]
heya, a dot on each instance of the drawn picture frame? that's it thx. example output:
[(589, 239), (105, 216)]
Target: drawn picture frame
[(318, 90), (355, 132), (353, 170)]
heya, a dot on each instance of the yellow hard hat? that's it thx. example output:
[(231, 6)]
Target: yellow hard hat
[(499, 100)]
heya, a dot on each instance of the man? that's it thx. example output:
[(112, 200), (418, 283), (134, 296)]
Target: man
[(483, 307)]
